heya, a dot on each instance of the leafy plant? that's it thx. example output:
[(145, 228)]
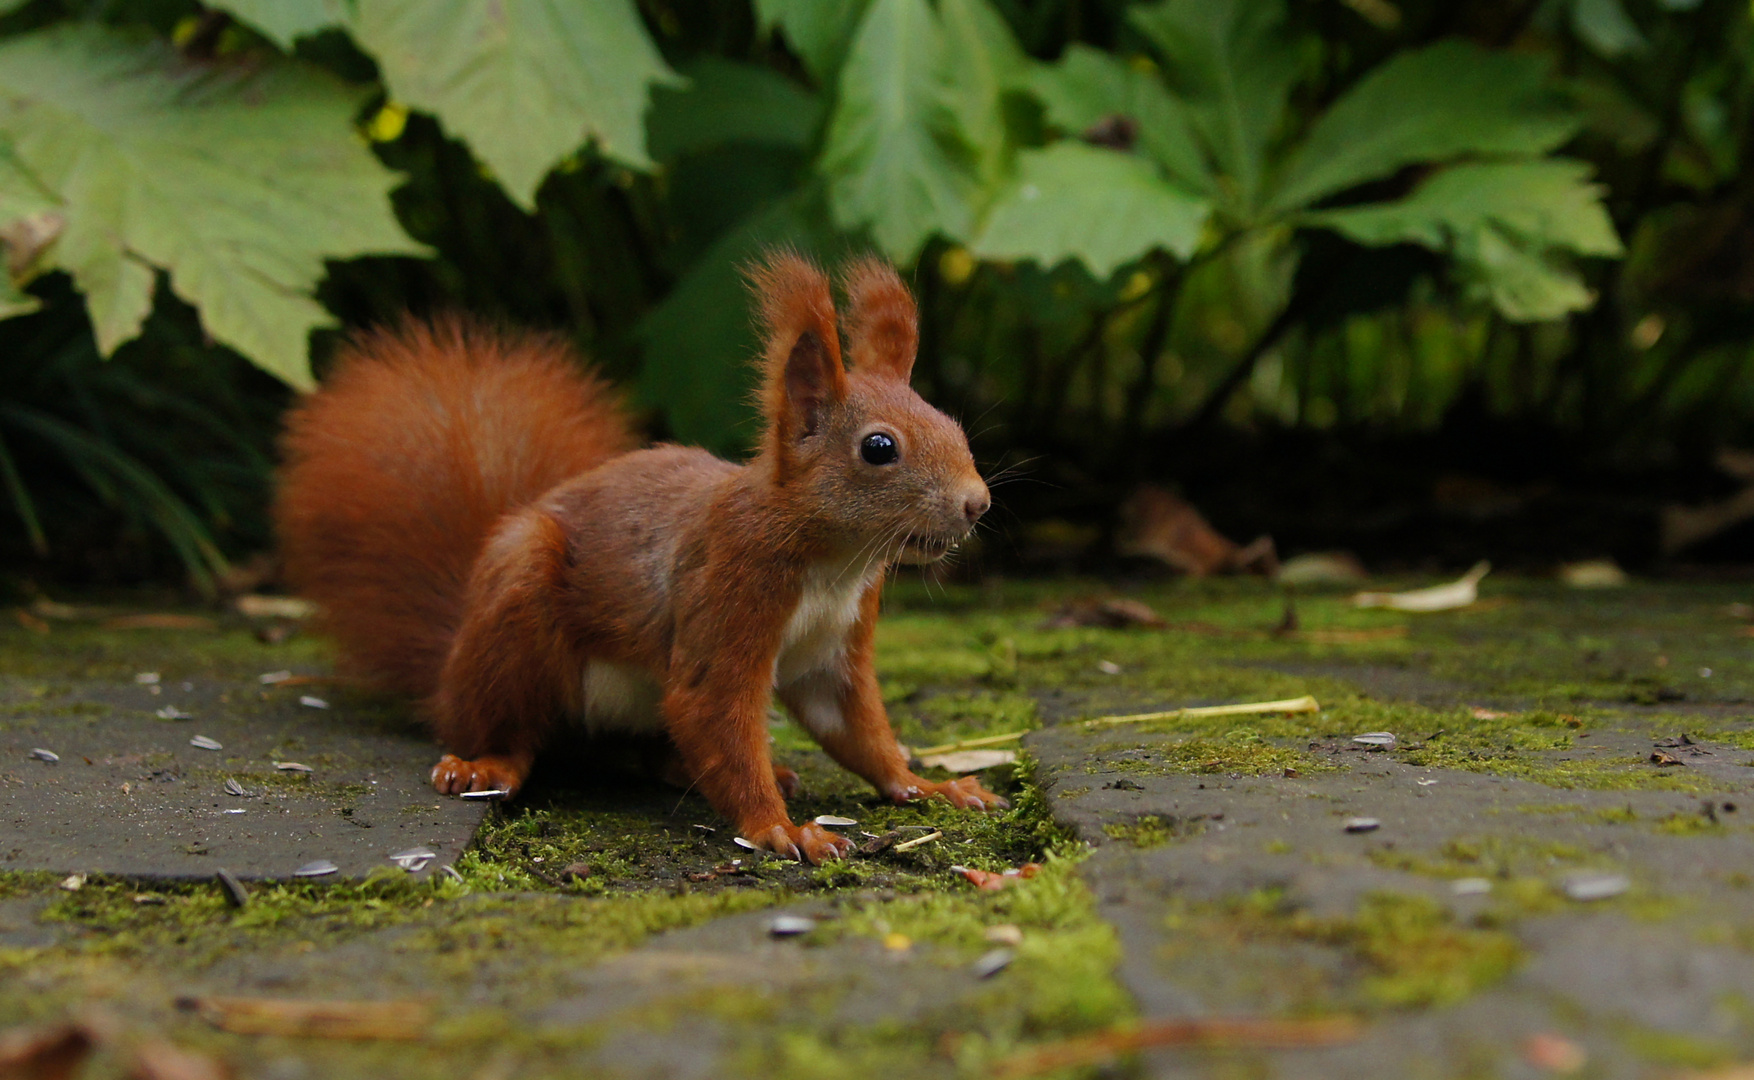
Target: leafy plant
[(1122, 217)]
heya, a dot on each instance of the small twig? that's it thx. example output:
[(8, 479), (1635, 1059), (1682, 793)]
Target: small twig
[(1305, 703), (917, 841), (970, 744), (1205, 1031)]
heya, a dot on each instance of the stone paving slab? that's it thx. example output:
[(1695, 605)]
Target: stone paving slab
[(131, 796), (1651, 965)]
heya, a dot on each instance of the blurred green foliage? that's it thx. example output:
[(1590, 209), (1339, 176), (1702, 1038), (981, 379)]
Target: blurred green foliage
[(1124, 220)]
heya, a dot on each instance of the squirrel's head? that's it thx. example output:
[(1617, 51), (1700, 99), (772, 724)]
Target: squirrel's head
[(863, 456)]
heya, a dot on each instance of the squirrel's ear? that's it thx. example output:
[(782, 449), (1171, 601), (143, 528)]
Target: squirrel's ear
[(883, 325), (802, 371)]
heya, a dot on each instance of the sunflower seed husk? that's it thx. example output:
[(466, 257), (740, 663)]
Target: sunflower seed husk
[(790, 925), (73, 882), (1362, 824), (831, 819), (1587, 887), (992, 962), (147, 678), (232, 787), (414, 860), (292, 766), (271, 677), (452, 871), (310, 702), (490, 793), (45, 755), (316, 869), (202, 742), (171, 712), (1377, 740), (1471, 886), (742, 843), (235, 893)]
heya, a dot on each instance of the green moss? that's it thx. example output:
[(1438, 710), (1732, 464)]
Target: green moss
[(1059, 983), (1673, 1049), (1410, 951), (1146, 831), (1242, 755), (1501, 857)]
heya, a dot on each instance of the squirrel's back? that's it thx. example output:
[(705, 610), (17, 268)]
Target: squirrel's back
[(397, 468)]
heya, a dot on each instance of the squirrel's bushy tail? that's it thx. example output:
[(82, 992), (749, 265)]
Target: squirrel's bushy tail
[(396, 470)]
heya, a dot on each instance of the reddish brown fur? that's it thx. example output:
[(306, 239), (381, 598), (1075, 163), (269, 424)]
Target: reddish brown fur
[(394, 474), (708, 582)]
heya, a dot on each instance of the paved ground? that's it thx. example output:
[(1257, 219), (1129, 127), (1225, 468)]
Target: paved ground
[(1546, 745)]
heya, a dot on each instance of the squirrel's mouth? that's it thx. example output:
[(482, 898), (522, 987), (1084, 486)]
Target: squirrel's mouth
[(919, 550)]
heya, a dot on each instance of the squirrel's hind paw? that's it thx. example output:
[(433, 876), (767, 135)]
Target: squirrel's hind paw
[(454, 775)]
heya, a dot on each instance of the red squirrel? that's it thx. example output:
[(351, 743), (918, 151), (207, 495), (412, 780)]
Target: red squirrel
[(466, 508)]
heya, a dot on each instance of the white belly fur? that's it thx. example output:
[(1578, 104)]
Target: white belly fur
[(813, 647), (620, 698)]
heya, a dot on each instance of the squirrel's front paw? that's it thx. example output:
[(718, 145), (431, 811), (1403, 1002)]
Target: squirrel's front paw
[(801, 842), (964, 794), (454, 775)]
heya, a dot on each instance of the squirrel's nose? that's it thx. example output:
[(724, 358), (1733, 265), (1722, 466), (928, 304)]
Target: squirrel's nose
[(975, 504)]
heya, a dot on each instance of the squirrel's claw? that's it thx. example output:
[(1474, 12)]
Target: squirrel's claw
[(964, 794), (454, 775), (802, 842)]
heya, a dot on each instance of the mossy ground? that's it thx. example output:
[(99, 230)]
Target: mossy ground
[(575, 874)]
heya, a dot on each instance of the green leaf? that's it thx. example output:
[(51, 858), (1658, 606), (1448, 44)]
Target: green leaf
[(896, 159), (1525, 285), (1430, 104), (728, 102), (239, 179), (1235, 66), (984, 61), (1088, 86), (524, 82), (818, 31), (1606, 27), (1103, 207), (285, 21), (700, 344), (1505, 223)]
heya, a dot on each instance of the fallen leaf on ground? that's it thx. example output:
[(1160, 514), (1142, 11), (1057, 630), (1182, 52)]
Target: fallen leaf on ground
[(1457, 594), (1663, 758), (968, 761), (158, 621), (49, 609), (1203, 1031), (43, 1054), (987, 881), (1593, 574), (1114, 613), (161, 1060), (31, 622), (314, 1019), (1159, 524), (1554, 1053), (274, 607)]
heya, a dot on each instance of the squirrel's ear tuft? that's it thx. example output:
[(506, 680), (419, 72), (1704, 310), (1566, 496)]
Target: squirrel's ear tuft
[(801, 365), (882, 323)]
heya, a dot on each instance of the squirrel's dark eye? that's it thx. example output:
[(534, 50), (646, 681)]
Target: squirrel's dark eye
[(879, 449)]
